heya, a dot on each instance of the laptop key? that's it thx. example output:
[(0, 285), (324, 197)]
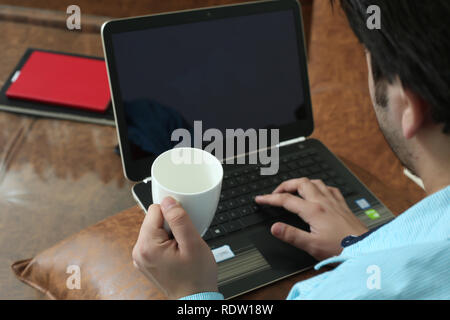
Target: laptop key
[(346, 191), (292, 165), (315, 169), (218, 231), (244, 211), (242, 201), (306, 162), (331, 183), (233, 214), (233, 226), (296, 155), (331, 173), (241, 179), (294, 175), (227, 194), (266, 183), (303, 172), (254, 208), (317, 159), (232, 193), (208, 235), (215, 221), (222, 217), (221, 207), (242, 189), (232, 182), (276, 180), (231, 204)]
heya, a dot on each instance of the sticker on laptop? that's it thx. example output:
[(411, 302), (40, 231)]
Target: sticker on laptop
[(363, 203), (223, 253), (373, 214)]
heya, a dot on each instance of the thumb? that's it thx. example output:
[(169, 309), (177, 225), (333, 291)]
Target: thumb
[(179, 222), (289, 234)]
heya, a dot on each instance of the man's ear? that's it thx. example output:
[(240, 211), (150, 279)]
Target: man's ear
[(414, 114)]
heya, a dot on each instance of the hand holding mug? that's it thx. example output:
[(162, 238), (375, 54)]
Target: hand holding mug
[(179, 266)]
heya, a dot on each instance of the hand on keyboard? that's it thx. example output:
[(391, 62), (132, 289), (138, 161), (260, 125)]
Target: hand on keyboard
[(323, 208)]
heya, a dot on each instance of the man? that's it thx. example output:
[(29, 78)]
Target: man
[(408, 258)]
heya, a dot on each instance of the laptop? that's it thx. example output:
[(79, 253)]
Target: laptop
[(239, 66)]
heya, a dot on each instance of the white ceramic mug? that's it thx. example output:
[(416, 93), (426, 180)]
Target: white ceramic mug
[(193, 177)]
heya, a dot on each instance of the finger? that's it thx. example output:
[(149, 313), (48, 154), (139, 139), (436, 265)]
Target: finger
[(290, 186), (336, 193), (296, 237), (289, 202), (155, 217), (308, 190), (287, 186), (179, 222), (322, 187), (303, 186), (152, 228)]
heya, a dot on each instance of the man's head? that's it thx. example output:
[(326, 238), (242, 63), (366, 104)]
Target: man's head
[(409, 72)]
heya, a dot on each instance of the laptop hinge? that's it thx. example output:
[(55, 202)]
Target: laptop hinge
[(292, 141)]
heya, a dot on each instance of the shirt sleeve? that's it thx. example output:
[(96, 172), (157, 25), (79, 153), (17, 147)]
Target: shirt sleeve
[(204, 296), (301, 290)]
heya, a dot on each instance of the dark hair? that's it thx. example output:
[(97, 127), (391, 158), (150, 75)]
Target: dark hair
[(413, 44)]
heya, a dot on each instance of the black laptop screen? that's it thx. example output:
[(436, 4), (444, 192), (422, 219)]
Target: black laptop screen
[(241, 72)]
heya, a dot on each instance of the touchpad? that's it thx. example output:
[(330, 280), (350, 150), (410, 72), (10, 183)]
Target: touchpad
[(280, 255)]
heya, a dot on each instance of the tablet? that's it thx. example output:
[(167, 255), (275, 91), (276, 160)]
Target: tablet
[(62, 80)]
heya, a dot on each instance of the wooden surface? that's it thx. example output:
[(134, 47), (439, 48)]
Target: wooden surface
[(58, 177)]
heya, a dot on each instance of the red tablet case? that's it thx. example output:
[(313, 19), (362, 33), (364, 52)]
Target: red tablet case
[(63, 80)]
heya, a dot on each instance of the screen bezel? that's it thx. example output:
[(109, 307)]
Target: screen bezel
[(138, 170)]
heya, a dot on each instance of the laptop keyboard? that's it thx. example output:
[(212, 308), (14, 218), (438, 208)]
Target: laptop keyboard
[(237, 209)]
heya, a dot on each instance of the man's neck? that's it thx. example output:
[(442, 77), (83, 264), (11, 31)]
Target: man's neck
[(434, 172), (432, 158), (431, 188)]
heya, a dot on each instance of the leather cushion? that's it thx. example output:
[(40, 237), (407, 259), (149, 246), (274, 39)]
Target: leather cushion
[(103, 254)]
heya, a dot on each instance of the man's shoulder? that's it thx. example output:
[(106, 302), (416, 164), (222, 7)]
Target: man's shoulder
[(417, 271)]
